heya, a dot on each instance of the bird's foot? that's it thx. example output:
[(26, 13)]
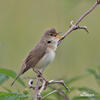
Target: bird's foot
[(39, 74)]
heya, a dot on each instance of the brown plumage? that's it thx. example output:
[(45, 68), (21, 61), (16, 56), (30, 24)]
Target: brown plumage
[(38, 51)]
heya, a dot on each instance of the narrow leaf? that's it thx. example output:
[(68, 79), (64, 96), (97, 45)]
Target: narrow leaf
[(12, 96), (3, 78), (8, 90), (11, 74), (74, 79), (88, 90)]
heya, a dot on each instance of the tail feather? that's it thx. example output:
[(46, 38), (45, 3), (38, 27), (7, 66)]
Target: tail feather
[(22, 70), (15, 79)]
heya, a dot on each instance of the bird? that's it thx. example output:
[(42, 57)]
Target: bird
[(42, 54)]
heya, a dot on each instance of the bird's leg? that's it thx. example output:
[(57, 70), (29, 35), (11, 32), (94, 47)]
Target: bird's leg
[(43, 80), (39, 74)]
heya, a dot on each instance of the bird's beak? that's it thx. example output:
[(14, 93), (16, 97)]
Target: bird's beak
[(57, 35)]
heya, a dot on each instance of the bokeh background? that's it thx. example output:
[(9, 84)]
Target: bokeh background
[(22, 23)]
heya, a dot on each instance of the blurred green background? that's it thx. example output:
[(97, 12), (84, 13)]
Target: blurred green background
[(22, 23)]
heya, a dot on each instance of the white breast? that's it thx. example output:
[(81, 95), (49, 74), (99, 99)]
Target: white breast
[(46, 59)]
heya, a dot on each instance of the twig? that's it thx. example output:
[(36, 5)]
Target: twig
[(59, 82), (75, 26), (54, 91), (47, 83), (36, 89), (60, 92), (42, 88)]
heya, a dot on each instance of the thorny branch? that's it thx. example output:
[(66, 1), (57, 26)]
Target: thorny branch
[(45, 85), (73, 27)]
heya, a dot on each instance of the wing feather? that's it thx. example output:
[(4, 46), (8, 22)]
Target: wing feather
[(34, 56), (32, 59)]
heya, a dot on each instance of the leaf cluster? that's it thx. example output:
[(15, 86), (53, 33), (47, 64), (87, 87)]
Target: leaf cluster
[(84, 93)]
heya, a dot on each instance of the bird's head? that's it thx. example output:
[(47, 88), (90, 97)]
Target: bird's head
[(51, 37)]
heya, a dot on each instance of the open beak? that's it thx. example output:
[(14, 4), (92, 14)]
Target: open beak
[(58, 36)]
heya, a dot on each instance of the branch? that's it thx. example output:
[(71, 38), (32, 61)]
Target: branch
[(75, 26), (60, 92), (60, 82), (36, 89), (39, 89), (54, 91)]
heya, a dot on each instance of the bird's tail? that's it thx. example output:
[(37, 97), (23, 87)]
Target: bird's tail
[(15, 79)]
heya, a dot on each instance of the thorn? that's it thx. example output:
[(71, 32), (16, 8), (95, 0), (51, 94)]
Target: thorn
[(82, 27), (85, 28), (71, 23)]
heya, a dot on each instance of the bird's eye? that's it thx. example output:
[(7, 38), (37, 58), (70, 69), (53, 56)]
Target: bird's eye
[(48, 41), (51, 34)]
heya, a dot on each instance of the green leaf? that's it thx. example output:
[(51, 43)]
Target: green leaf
[(8, 90), (93, 72), (3, 78), (98, 97), (45, 93), (98, 68), (11, 74), (48, 99), (86, 98), (88, 90), (12, 96), (80, 98), (69, 81), (89, 93)]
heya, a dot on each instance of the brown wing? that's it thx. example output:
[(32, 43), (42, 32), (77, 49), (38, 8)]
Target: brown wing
[(34, 56), (32, 59)]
